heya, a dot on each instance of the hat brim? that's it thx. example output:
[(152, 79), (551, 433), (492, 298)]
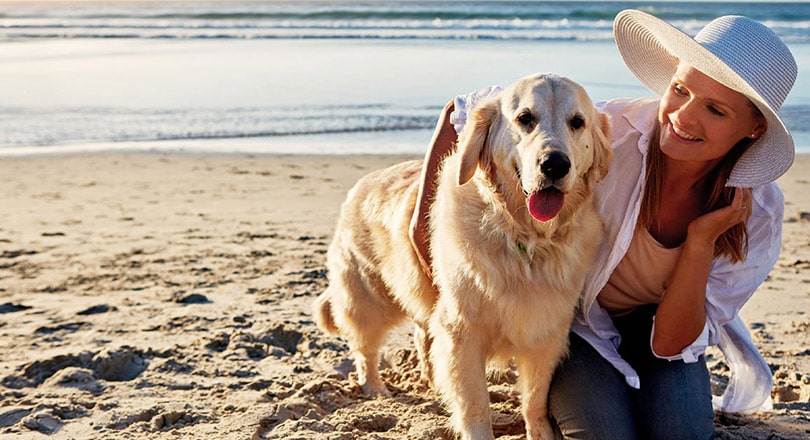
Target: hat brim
[(652, 49)]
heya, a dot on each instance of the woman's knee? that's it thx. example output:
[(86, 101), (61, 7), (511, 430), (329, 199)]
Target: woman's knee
[(589, 399), (675, 401)]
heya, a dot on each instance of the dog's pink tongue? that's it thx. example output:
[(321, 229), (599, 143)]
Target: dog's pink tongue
[(544, 205)]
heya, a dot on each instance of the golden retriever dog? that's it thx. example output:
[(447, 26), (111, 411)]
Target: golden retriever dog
[(513, 229)]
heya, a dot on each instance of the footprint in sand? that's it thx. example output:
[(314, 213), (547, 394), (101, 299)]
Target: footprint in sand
[(119, 365)]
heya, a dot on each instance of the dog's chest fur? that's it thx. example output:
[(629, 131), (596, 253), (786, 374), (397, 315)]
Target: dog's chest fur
[(519, 279)]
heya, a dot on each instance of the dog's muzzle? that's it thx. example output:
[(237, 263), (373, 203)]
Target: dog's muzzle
[(545, 203)]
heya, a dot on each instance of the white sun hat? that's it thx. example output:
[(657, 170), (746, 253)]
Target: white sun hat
[(740, 53)]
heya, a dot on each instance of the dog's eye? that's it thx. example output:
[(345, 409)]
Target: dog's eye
[(576, 122), (525, 119)]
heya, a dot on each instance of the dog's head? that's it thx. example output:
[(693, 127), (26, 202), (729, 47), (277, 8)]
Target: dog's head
[(541, 143)]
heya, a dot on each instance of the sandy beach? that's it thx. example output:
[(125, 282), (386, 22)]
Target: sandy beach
[(168, 296)]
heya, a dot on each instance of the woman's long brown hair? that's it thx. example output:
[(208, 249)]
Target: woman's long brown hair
[(733, 243)]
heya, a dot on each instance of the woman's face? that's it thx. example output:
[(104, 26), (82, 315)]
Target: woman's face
[(701, 120)]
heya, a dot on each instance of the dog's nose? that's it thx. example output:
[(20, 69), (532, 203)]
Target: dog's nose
[(556, 165)]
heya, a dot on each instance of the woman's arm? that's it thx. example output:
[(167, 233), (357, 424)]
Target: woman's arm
[(681, 315), (443, 142)]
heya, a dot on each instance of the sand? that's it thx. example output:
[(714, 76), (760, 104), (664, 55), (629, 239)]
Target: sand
[(168, 296)]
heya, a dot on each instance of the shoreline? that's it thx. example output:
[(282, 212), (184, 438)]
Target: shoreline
[(414, 145), (155, 295)]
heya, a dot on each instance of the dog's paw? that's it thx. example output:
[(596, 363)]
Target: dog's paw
[(540, 431), (375, 389), (426, 382)]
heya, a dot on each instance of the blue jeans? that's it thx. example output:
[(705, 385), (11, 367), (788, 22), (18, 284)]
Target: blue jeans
[(589, 399)]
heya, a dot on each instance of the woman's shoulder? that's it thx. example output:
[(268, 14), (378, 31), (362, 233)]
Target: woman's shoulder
[(631, 121), (636, 114), (768, 200), (628, 106)]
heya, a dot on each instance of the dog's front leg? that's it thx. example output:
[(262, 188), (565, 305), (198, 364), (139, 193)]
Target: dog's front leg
[(459, 365), (536, 369), (368, 374), (422, 340)]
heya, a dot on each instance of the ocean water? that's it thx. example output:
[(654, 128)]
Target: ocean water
[(310, 77)]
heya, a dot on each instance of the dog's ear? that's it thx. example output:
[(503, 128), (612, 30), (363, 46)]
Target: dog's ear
[(603, 151), (472, 143)]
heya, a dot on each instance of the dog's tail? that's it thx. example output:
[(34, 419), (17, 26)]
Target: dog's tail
[(323, 313)]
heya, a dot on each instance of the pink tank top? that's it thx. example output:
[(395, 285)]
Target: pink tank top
[(641, 277)]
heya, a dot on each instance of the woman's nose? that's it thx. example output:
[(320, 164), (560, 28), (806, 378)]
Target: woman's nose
[(686, 113)]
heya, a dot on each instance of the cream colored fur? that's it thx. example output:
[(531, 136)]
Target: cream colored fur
[(506, 285)]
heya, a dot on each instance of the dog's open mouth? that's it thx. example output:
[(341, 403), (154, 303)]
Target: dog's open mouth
[(545, 204)]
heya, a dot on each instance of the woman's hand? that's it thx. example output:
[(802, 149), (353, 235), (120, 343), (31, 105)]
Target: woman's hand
[(708, 227)]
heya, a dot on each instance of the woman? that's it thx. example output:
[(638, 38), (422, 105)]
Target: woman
[(693, 226)]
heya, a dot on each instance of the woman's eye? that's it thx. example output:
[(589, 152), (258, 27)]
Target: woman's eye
[(678, 90), (716, 111)]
